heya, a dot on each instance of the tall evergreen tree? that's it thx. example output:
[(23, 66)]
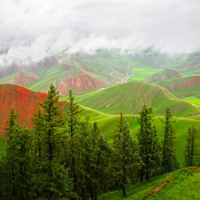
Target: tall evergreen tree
[(128, 161), (74, 129), (192, 147), (168, 148), (17, 162), (149, 146), (9, 165), (53, 178)]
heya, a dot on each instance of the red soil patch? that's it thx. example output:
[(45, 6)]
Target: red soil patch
[(189, 84), (48, 62), (184, 95), (114, 100), (68, 67), (191, 170), (155, 191), (89, 69), (22, 78), (191, 115), (171, 87), (115, 73), (193, 62), (22, 100), (81, 81), (101, 102), (9, 69)]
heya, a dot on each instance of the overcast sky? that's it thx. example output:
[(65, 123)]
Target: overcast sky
[(33, 29)]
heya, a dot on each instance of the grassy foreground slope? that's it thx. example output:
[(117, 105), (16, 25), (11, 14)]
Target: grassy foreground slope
[(107, 124), (181, 184), (129, 98)]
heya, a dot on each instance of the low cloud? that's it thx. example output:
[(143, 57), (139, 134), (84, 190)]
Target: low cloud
[(31, 30)]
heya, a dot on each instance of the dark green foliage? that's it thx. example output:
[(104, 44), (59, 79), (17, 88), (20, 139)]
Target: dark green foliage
[(52, 182), (74, 127), (64, 157), (16, 165), (149, 146), (102, 163), (168, 148), (127, 161), (192, 147)]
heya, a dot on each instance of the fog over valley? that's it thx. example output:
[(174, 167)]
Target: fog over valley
[(32, 30)]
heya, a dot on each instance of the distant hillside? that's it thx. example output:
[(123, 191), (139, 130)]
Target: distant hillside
[(81, 72), (129, 98), (24, 101), (183, 87), (87, 72), (164, 75)]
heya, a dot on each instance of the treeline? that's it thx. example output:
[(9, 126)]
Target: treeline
[(64, 157)]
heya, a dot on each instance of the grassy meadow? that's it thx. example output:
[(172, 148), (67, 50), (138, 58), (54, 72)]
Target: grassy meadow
[(174, 185)]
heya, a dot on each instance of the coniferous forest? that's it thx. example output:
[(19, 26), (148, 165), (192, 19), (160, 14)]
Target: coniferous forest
[(64, 157)]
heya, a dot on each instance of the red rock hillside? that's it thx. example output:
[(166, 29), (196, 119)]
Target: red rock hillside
[(22, 100), (80, 81)]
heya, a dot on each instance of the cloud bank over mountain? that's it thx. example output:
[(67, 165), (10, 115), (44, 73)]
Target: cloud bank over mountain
[(34, 29)]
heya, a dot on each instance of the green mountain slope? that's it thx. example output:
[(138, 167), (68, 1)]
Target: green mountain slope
[(23, 100), (187, 86), (164, 75), (182, 184), (129, 98), (81, 72)]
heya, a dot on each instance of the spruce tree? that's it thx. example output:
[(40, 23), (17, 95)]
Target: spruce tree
[(168, 148), (39, 150), (17, 165), (128, 161), (192, 150), (87, 154), (149, 146), (74, 131), (9, 165), (53, 181), (103, 166)]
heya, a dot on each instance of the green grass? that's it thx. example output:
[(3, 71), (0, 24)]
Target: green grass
[(182, 185), (107, 123), (164, 75), (193, 100), (129, 98)]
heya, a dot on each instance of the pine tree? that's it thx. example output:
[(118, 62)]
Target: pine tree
[(74, 130), (103, 166), (39, 150), (89, 139), (128, 161), (17, 163), (193, 143), (168, 148), (149, 146), (9, 165), (53, 180)]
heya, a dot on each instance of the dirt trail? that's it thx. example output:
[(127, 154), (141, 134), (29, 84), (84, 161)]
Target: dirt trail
[(156, 190), (192, 115)]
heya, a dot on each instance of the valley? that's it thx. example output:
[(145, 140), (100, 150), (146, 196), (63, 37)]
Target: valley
[(106, 84)]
